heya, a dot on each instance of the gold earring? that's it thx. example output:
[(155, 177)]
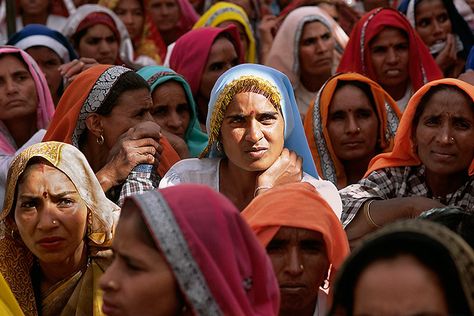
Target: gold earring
[(100, 139)]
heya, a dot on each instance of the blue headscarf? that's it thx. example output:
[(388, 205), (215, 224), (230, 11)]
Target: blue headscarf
[(158, 75), (40, 35), (470, 60), (295, 138)]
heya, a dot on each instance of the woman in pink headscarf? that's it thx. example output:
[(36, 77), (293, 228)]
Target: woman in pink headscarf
[(169, 262), (26, 106), (201, 56)]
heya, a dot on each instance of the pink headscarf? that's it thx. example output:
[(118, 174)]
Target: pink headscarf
[(219, 265), (190, 53), (45, 109), (188, 15)]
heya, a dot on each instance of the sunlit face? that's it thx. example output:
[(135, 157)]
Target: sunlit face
[(301, 265), (432, 22), (34, 7), (252, 132), (139, 280), (171, 109), (49, 63), (244, 41), (50, 215), (222, 57), (131, 14), (445, 132), (399, 286), (165, 14), (316, 50), (352, 124), (389, 56), (99, 43), (132, 107), (18, 97)]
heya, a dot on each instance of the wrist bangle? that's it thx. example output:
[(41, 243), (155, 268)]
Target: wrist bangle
[(368, 216), (262, 187)]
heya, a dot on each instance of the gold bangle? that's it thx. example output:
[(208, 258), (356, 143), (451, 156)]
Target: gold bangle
[(367, 214)]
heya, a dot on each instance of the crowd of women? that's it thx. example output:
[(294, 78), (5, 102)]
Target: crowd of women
[(251, 157)]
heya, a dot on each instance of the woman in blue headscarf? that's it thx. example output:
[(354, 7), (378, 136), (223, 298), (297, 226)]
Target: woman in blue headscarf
[(174, 108), (256, 139), (50, 49)]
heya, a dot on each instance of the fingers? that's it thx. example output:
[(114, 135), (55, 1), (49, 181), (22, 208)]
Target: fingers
[(147, 129)]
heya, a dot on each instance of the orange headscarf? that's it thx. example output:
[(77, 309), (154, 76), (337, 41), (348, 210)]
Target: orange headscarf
[(65, 120), (298, 205), (403, 153), (316, 120)]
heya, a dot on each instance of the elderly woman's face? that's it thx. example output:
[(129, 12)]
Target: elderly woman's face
[(50, 215), (352, 124), (99, 43), (171, 109), (432, 22), (299, 259), (399, 286), (445, 132), (252, 132), (139, 280)]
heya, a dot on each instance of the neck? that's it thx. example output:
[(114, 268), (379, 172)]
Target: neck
[(95, 154), (52, 273), (396, 92), (237, 184), (355, 169), (314, 83), (438, 184), (41, 18), (22, 128), (307, 310)]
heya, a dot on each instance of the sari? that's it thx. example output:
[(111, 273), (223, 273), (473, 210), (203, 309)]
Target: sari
[(225, 11), (149, 43), (8, 304), (422, 68), (84, 96), (286, 59), (423, 240), (88, 15), (327, 163), (190, 53), (158, 75), (78, 294), (219, 271)]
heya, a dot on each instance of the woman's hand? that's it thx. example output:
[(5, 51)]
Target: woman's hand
[(448, 55), (266, 29), (287, 168), (178, 144), (71, 69), (139, 145)]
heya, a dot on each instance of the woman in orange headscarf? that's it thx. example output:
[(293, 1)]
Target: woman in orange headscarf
[(351, 120), (105, 112), (305, 241), (431, 165)]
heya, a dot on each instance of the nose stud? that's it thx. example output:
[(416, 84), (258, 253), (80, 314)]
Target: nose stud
[(301, 267), (54, 222), (112, 285), (358, 129), (451, 140)]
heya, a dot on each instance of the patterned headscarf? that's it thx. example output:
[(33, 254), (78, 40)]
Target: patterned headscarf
[(220, 271)]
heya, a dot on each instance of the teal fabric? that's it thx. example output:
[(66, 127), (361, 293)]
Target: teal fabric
[(195, 138)]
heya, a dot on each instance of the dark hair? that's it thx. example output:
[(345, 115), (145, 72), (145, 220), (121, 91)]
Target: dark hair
[(76, 38), (19, 57), (427, 98), (424, 248)]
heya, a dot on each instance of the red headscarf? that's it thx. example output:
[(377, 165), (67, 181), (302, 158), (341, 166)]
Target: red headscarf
[(356, 57), (189, 56), (220, 267), (65, 121), (403, 153)]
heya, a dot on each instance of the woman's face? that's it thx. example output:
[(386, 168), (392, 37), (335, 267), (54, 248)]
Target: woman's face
[(99, 43), (165, 14), (252, 132), (49, 63), (445, 132), (352, 124), (222, 57), (171, 109), (300, 261), (133, 107), (139, 280), (399, 286), (50, 215), (18, 97), (34, 7), (316, 50), (432, 22), (131, 14)]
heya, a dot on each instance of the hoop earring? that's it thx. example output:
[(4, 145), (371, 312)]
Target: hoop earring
[(100, 139), (325, 285)]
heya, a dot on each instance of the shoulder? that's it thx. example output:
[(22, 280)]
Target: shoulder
[(328, 191), (192, 170)]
